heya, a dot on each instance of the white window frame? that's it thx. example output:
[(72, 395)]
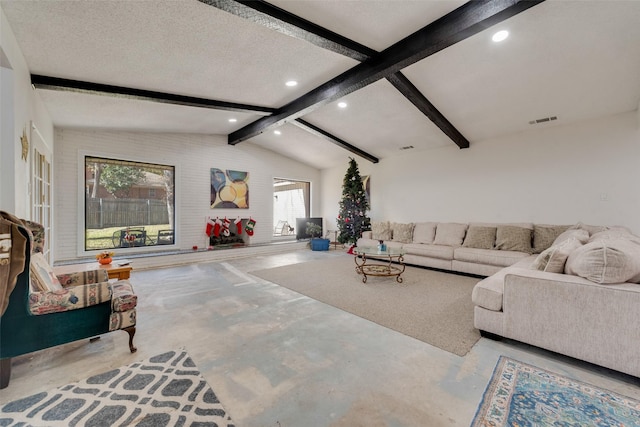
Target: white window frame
[(80, 241)]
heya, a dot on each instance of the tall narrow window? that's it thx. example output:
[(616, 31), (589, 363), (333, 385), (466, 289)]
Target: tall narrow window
[(291, 200), (128, 204), (41, 192)]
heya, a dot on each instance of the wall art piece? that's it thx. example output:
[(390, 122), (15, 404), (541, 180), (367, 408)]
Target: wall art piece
[(24, 141), (229, 189)]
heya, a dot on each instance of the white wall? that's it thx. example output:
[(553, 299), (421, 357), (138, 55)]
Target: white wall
[(194, 156), (18, 113), (557, 175)]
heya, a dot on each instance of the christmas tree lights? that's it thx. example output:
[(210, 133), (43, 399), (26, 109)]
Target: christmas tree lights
[(352, 217)]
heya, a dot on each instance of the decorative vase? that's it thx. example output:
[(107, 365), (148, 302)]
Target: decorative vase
[(105, 261)]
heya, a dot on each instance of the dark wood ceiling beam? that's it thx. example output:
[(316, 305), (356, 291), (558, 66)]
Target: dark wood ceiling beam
[(469, 19), (287, 23), (404, 86), (77, 86), (284, 22), (334, 139), (280, 20)]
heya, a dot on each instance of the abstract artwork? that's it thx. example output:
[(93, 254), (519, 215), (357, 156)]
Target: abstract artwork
[(229, 189)]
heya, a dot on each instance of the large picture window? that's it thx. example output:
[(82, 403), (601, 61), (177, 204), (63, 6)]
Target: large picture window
[(128, 204)]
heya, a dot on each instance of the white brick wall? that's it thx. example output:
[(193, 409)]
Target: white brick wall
[(193, 156)]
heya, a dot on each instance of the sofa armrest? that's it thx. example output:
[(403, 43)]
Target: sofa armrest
[(98, 275), (70, 298), (123, 297)]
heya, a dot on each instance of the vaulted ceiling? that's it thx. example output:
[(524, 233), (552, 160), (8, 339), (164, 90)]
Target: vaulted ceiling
[(421, 74)]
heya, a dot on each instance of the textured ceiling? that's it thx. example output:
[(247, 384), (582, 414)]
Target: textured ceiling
[(576, 60)]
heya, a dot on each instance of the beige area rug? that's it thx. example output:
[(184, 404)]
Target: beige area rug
[(431, 306)]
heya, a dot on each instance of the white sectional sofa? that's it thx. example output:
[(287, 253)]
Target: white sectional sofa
[(476, 248), (574, 290)]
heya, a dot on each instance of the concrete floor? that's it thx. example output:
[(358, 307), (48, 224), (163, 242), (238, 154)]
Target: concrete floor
[(277, 358)]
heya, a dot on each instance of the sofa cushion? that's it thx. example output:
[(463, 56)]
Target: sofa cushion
[(480, 237), (71, 298), (424, 232), (514, 238), (488, 256), (554, 258), (380, 230), (488, 293), (431, 251), (605, 261), (402, 233), (581, 235), (450, 233), (544, 236), (42, 277)]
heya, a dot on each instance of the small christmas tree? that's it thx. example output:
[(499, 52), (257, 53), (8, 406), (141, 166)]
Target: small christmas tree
[(352, 218)]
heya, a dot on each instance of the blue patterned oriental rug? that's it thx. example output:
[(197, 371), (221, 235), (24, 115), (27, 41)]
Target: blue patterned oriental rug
[(165, 390), (524, 395)]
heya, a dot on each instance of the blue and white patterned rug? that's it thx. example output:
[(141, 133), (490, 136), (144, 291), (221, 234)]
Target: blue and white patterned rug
[(523, 395), (165, 390)]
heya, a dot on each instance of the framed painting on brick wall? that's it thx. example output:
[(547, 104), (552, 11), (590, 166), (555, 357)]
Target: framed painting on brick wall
[(229, 189)]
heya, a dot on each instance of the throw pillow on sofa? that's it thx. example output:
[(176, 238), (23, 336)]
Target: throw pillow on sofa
[(42, 277), (450, 234), (402, 233), (554, 258), (615, 233), (381, 230), (480, 237), (605, 261), (591, 229), (424, 232), (512, 238), (545, 235), (582, 235)]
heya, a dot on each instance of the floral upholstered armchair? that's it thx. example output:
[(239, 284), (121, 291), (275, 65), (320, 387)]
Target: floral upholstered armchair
[(41, 310)]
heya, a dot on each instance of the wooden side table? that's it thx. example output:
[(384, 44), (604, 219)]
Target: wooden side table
[(120, 272)]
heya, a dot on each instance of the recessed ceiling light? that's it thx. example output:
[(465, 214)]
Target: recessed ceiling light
[(342, 104), (292, 83), (500, 35), (277, 132), (233, 120)]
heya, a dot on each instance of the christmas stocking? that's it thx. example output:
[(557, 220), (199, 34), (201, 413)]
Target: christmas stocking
[(249, 227), (225, 227), (216, 227), (238, 223), (209, 228)]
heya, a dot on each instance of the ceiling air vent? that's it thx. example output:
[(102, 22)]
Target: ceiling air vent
[(543, 120), (406, 147)]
